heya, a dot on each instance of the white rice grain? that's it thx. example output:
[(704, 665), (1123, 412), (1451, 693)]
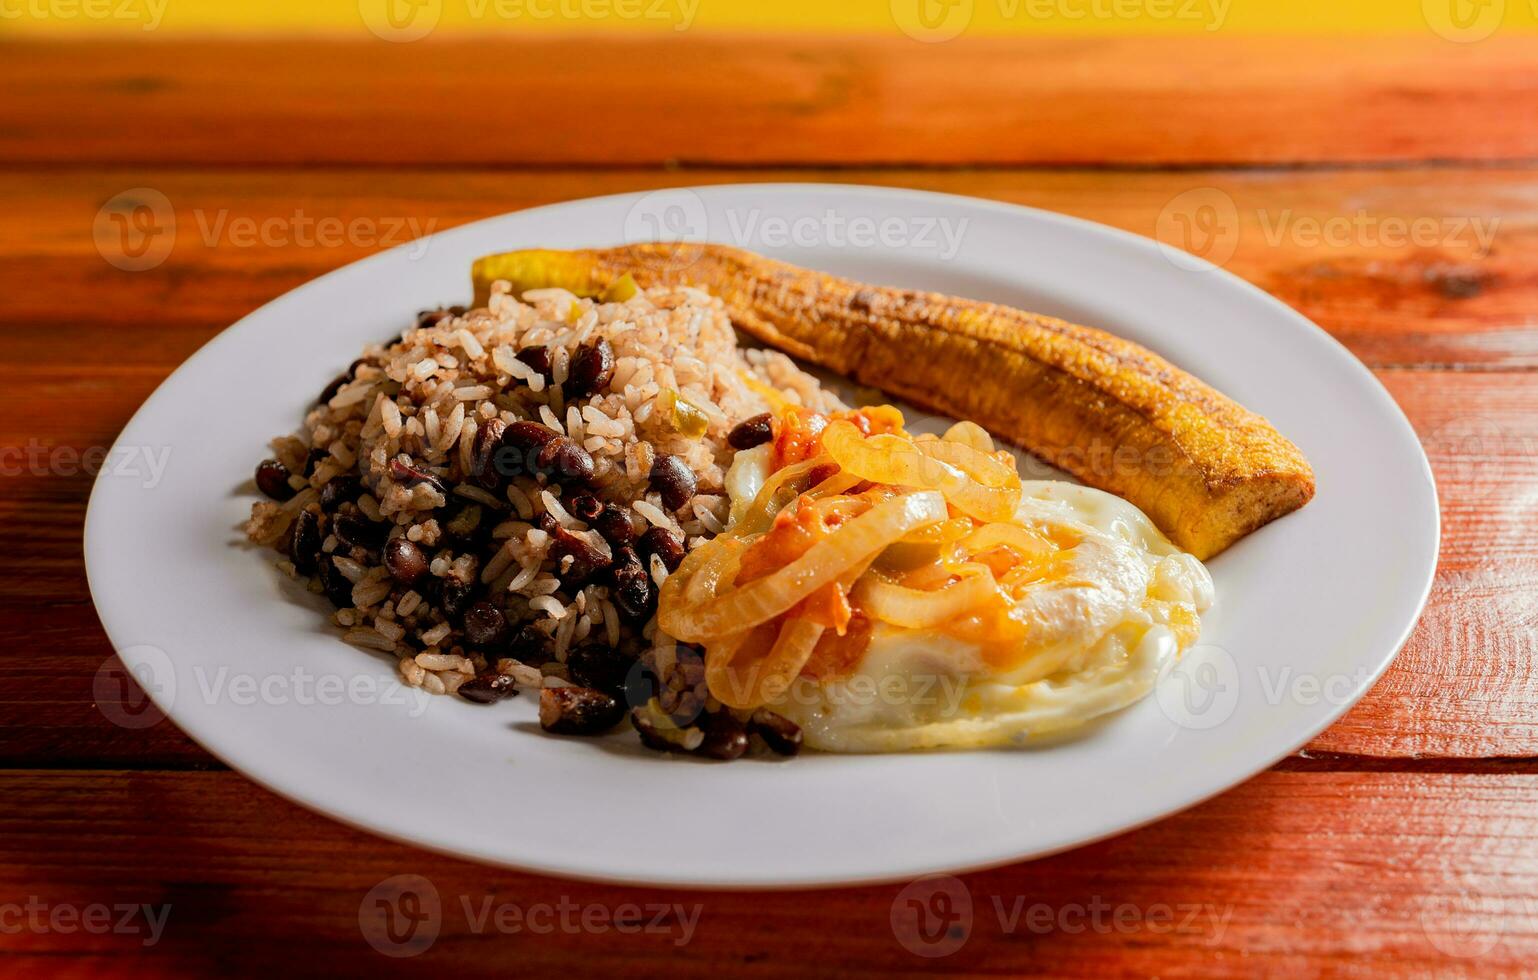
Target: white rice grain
[(471, 346)]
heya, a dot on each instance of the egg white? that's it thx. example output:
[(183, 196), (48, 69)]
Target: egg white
[(1096, 642)]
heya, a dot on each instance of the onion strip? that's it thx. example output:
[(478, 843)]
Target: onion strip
[(739, 680), (918, 609), (760, 514), (894, 460), (985, 468), (824, 562), (970, 434), (1012, 536)]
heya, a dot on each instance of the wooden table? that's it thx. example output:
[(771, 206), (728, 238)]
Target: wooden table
[(1405, 837)]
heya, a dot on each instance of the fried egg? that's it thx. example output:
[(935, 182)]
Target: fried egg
[(1105, 612)]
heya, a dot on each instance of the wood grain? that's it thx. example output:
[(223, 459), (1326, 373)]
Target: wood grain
[(1407, 268), (1466, 685), (1384, 187), (1293, 873), (724, 100)]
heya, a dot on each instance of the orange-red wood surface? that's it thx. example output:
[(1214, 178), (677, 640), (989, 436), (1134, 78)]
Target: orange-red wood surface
[(1402, 837)]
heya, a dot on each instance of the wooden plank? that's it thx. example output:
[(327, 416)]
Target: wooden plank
[(1482, 440), (1294, 873), (1466, 686), (1424, 268), (802, 100)]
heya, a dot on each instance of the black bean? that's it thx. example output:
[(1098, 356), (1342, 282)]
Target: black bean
[(634, 592), (528, 435), (488, 688), (335, 385), (529, 645), (313, 457), (673, 479), (465, 528), (431, 318), (578, 711), (408, 475), (545, 522), (521, 443), (614, 524), (564, 460), (584, 506), (537, 358), (751, 432), (592, 368), (485, 626), (332, 387), (405, 561), (339, 490), (725, 737), (272, 479), (304, 542), (782, 735), (641, 684), (661, 541), (586, 559), (336, 585), (454, 596), (483, 454), (655, 737), (601, 667), (358, 532)]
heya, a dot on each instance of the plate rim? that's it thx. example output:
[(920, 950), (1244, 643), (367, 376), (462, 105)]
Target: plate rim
[(791, 880)]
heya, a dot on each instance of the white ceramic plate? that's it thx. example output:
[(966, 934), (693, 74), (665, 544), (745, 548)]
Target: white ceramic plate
[(1310, 609)]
